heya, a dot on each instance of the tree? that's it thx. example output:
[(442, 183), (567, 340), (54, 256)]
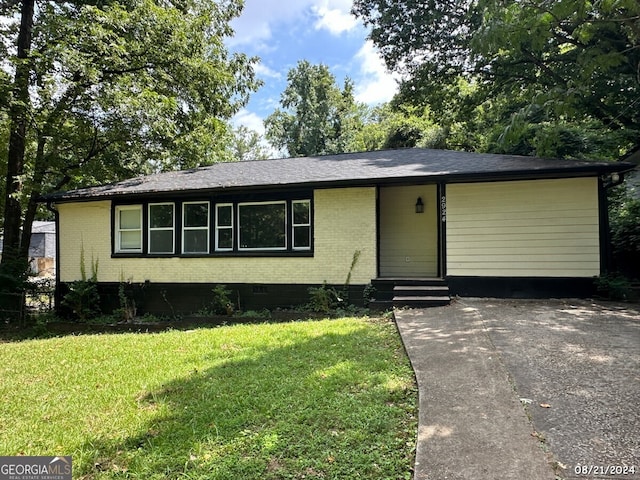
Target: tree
[(103, 90), (532, 61), (398, 126), (317, 117), (246, 144)]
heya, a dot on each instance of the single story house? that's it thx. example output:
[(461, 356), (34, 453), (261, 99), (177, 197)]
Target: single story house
[(412, 221)]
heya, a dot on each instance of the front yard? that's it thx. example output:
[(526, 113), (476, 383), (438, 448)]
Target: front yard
[(329, 399)]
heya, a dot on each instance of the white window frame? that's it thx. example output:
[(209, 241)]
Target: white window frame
[(119, 230), (294, 225), (186, 228), (263, 249), (224, 227), (158, 229)]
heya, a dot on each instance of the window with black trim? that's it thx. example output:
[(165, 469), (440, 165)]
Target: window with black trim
[(161, 228), (262, 226), (237, 225), (301, 224), (195, 227), (224, 227), (128, 229)]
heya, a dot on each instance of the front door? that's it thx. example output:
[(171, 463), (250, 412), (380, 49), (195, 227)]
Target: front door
[(408, 240)]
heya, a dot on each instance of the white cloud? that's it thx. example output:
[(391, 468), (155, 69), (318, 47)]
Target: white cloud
[(374, 84), (335, 20), (259, 18), (263, 71), (248, 119), (255, 23)]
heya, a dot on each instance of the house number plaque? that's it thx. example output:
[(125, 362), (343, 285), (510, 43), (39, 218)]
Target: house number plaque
[(443, 208)]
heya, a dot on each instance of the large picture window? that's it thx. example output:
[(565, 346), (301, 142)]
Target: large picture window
[(161, 228), (128, 223), (262, 226), (195, 227)]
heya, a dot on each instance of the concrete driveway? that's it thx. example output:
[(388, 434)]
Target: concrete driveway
[(574, 365)]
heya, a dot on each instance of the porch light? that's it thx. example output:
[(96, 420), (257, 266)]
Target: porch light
[(419, 205)]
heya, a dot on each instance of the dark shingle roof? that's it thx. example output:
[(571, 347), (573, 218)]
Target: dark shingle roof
[(365, 168)]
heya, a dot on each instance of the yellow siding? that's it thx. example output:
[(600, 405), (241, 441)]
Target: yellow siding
[(527, 228), (408, 241), (338, 233)]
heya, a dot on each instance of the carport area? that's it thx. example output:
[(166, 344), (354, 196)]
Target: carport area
[(526, 389)]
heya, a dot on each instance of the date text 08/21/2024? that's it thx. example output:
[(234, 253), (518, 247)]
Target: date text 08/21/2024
[(605, 470)]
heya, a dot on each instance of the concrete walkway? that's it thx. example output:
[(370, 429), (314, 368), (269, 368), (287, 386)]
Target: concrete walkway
[(471, 422)]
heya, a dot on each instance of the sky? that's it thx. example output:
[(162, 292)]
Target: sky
[(283, 32)]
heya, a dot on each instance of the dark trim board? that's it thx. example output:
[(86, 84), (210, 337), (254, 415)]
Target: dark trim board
[(522, 287), (173, 299)]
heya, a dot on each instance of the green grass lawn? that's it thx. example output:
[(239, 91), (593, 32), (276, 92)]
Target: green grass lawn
[(330, 399)]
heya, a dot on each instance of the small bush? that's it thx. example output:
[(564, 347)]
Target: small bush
[(614, 287), (625, 231), (324, 299), (83, 298), (220, 303), (127, 310)]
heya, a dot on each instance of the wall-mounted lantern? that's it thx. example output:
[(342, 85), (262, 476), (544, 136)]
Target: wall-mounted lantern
[(419, 205)]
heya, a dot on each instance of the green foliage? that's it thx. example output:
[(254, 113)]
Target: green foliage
[(568, 66), (245, 144), (127, 304), (82, 298), (220, 302), (263, 314), (98, 104), (324, 299), (625, 231), (14, 280), (369, 292), (316, 116), (614, 287)]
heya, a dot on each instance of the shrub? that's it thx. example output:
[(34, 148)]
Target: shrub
[(220, 303), (324, 299), (83, 298), (614, 287), (625, 231)]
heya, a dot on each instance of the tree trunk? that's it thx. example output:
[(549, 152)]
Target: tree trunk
[(18, 115), (19, 118), (14, 266), (34, 195)]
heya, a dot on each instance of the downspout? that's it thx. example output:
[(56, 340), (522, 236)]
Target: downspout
[(57, 294)]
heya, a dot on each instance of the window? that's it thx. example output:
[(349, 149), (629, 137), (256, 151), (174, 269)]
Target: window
[(224, 227), (249, 225), (161, 228), (195, 227), (301, 224), (128, 229), (262, 226)]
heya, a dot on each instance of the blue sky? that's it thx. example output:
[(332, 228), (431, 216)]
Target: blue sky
[(283, 32)]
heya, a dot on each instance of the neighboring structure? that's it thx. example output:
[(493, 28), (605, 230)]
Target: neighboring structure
[(487, 225), (42, 249)]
